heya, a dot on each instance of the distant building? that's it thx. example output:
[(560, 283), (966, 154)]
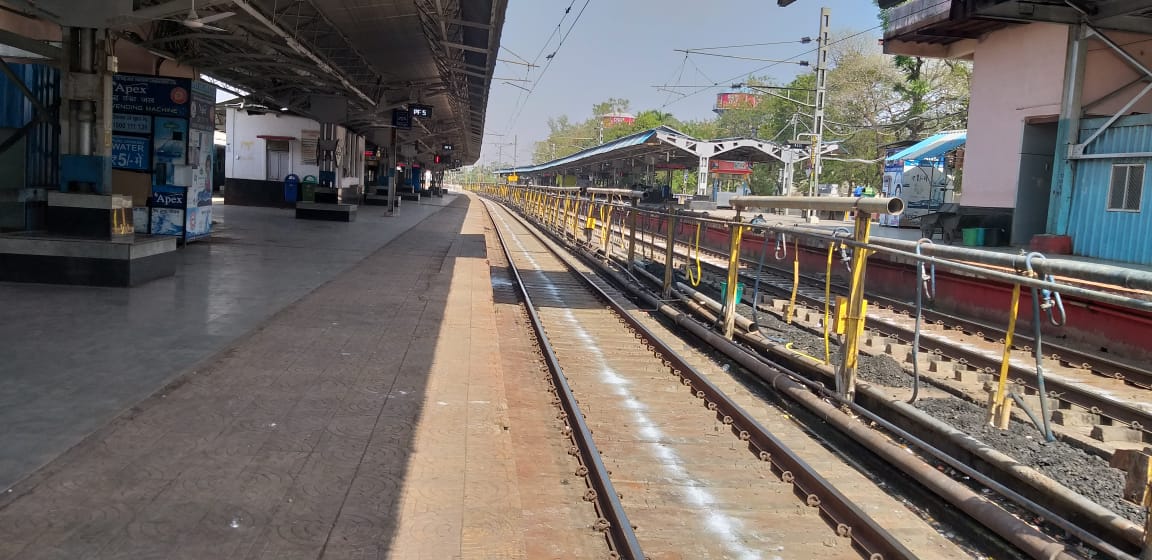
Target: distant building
[(613, 119), (735, 100)]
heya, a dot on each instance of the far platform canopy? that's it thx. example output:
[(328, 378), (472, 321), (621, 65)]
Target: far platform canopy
[(932, 147), (667, 148)]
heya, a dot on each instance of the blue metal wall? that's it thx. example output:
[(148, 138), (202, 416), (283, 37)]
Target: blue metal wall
[(1096, 232), (41, 144)]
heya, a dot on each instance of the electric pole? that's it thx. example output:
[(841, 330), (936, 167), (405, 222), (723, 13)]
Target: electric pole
[(822, 42)]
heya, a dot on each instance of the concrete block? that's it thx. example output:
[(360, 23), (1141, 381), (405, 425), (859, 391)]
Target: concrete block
[(965, 374), (939, 365), (897, 349), (1136, 465), (1116, 433), (877, 341), (1033, 403), (1075, 418)]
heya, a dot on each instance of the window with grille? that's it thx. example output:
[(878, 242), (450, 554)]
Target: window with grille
[(1127, 188)]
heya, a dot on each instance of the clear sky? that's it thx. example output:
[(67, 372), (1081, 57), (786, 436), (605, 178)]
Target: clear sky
[(622, 48)]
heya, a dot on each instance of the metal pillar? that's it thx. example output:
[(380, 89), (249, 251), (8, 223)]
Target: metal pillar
[(86, 110), (789, 157), (702, 178), (1068, 132), (327, 147), (393, 175), (854, 317)]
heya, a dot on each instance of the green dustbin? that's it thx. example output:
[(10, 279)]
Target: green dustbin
[(973, 237), (739, 291)]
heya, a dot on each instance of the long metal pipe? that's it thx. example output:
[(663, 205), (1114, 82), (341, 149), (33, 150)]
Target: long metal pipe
[(1042, 266), (627, 193), (871, 205), (741, 321), (1130, 278)]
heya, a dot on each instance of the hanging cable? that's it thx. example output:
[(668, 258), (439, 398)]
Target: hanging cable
[(695, 279), (838, 232), (925, 286), (1037, 323)]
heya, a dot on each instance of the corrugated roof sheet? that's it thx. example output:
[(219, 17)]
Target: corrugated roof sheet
[(625, 142), (933, 146)]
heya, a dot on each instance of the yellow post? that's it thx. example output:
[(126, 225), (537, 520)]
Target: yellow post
[(846, 375), (795, 282), (1000, 412), (827, 305), (669, 252), (736, 231)]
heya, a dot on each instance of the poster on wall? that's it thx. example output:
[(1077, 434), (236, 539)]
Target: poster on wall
[(198, 220), (168, 206), (203, 107)]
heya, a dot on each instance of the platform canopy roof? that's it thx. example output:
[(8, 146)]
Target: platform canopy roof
[(943, 22), (666, 147), (932, 147), (379, 55)]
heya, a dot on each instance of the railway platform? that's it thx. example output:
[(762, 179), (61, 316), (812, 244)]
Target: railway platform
[(366, 419)]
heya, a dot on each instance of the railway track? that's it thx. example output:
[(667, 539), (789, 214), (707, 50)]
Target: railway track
[(1097, 391), (669, 476), (1021, 489)]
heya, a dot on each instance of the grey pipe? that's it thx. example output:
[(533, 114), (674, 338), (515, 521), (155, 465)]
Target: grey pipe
[(1129, 278), (871, 205), (1066, 289), (627, 193)]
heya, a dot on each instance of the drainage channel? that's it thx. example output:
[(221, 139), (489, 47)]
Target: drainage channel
[(684, 471)]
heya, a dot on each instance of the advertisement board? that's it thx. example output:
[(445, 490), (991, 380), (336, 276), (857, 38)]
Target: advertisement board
[(132, 153), (151, 95), (132, 124)]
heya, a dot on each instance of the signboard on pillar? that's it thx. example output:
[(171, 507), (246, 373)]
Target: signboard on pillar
[(402, 119)]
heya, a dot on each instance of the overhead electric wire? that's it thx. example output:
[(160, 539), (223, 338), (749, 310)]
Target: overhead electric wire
[(802, 40), (792, 58), (550, 58)]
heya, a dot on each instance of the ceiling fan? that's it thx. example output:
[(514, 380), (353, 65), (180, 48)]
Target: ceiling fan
[(194, 21)]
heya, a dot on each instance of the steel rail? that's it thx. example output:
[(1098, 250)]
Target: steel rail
[(623, 538), (851, 521)]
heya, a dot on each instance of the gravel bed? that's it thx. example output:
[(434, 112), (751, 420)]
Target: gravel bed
[(1085, 474)]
